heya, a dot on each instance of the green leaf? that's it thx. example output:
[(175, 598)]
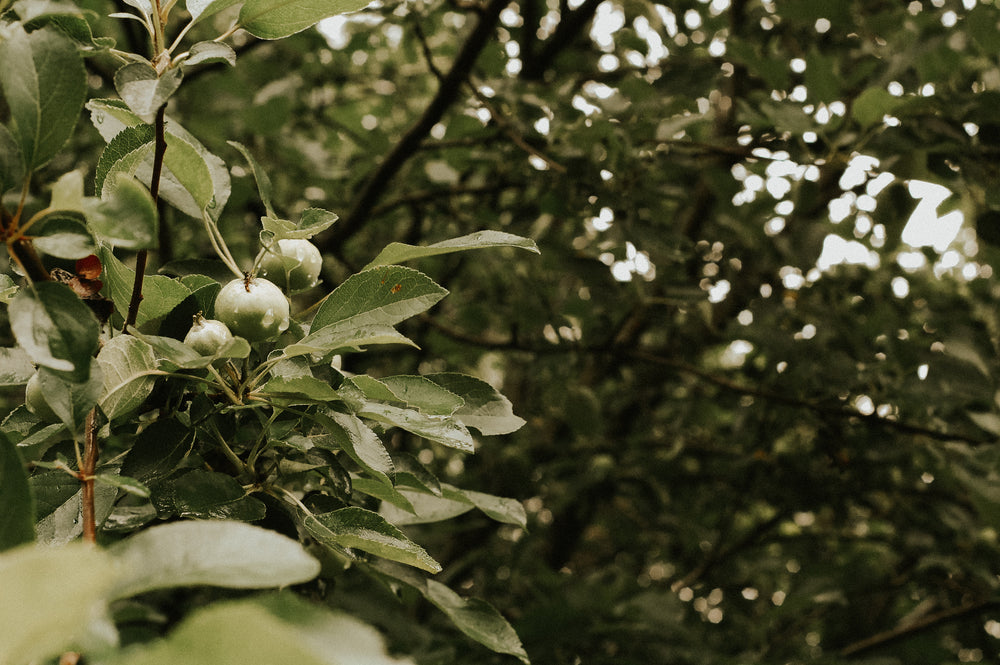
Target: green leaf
[(44, 84), (485, 408), (342, 338), (281, 628), (424, 394), (385, 295), (123, 154), (274, 19), (874, 104), (11, 163), (49, 597), (193, 180), (67, 20), (398, 252), (308, 387), (71, 400), (477, 619), (260, 176), (215, 553), (501, 509), (440, 429), (55, 328), (160, 294), (125, 483), (200, 9), (206, 52), (348, 433), (144, 90), (17, 504), (382, 492), (210, 495), (127, 217), (364, 530), (311, 222), (15, 366), (63, 234), (128, 365)]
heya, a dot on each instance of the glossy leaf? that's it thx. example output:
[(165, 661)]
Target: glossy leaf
[(485, 408), (383, 296), (129, 367), (215, 553), (364, 530), (477, 619), (203, 494)]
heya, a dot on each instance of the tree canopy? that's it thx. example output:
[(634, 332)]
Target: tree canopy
[(755, 357)]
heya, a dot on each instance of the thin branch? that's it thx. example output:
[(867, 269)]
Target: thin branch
[(446, 95), (87, 469), (159, 148), (571, 24), (915, 627)]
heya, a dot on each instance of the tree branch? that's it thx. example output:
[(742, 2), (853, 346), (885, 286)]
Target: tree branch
[(570, 25), (920, 625), (447, 92)]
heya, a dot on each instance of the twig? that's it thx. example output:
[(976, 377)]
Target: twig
[(447, 92), (159, 148), (920, 625), (87, 469)]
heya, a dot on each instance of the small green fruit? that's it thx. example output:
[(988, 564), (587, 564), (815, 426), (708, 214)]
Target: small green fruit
[(293, 263), (255, 309), (207, 336), (34, 399)]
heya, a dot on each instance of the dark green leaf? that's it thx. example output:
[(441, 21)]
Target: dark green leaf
[(384, 296), (211, 495), (17, 505), (55, 328), (44, 83)]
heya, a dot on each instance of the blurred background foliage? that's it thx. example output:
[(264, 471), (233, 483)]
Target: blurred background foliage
[(757, 355)]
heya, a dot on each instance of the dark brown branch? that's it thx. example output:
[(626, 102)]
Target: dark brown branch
[(448, 91), (87, 469), (159, 148), (571, 24), (915, 627)]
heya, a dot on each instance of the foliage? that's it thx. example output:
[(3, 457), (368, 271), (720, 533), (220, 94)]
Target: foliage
[(759, 400)]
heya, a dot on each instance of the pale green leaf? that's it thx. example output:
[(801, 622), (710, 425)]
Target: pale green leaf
[(15, 365), (207, 52), (341, 337), (215, 553), (63, 234), (144, 90), (129, 367), (160, 294), (485, 408), (398, 252), (48, 598), (274, 19)]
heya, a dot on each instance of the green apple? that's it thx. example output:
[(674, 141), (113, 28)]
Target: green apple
[(207, 336), (34, 399), (253, 308), (293, 263)]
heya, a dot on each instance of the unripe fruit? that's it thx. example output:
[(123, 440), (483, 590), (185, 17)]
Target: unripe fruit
[(34, 399), (207, 336), (255, 309), (293, 263)]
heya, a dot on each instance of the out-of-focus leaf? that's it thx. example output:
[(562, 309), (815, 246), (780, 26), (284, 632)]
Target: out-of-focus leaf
[(55, 328), (17, 504)]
